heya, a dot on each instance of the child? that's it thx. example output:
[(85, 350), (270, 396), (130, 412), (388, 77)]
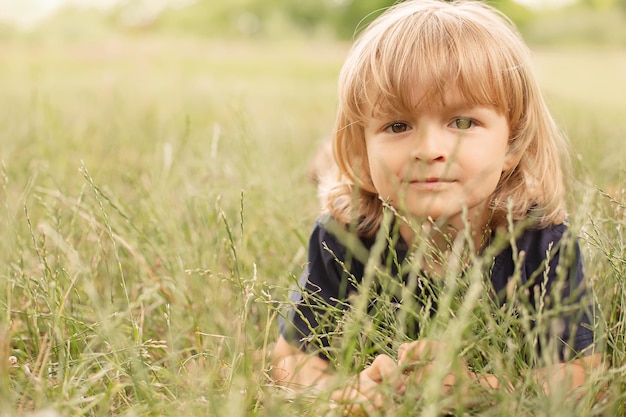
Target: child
[(440, 118)]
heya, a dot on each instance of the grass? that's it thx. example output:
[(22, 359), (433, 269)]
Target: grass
[(156, 210)]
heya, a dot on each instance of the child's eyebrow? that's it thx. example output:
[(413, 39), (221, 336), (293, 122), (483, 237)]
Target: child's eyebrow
[(460, 107), (385, 112)]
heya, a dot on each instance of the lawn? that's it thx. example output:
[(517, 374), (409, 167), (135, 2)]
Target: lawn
[(155, 210)]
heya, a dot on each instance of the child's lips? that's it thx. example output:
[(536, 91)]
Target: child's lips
[(430, 183)]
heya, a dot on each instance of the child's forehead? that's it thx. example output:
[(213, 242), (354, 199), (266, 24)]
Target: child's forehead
[(424, 99), (411, 57), (415, 76), (442, 80)]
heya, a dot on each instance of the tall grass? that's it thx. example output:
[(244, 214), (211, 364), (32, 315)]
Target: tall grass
[(155, 212)]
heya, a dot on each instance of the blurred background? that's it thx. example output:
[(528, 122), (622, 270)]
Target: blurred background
[(572, 22)]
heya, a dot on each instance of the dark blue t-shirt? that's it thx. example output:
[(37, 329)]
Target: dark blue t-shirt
[(545, 268)]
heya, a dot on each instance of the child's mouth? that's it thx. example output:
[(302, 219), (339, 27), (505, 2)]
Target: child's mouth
[(430, 183)]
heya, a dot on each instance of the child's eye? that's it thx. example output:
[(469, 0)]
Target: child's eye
[(397, 127), (463, 123)]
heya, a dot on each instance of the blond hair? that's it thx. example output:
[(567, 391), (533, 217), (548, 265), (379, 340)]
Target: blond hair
[(432, 45)]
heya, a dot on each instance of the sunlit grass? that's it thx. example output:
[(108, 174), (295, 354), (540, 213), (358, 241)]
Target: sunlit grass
[(156, 210)]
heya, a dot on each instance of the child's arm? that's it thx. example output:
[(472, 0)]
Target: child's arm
[(296, 369), (573, 373), (299, 371)]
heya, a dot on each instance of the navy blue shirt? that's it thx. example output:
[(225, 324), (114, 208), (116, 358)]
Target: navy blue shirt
[(548, 271)]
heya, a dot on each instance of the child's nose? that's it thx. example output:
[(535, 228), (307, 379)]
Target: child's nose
[(429, 145)]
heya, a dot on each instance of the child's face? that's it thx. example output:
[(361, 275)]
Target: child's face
[(435, 163)]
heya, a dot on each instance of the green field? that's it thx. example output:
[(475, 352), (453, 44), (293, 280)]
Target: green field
[(156, 209)]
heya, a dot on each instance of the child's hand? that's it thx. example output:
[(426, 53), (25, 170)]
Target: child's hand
[(362, 397), (416, 358)]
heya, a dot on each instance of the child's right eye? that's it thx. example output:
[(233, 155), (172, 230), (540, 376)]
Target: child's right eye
[(397, 127)]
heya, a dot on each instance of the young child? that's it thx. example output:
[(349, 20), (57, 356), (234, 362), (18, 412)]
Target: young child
[(441, 119)]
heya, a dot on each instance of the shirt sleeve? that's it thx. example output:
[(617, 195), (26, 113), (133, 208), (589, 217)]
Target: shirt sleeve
[(554, 274), (311, 316)]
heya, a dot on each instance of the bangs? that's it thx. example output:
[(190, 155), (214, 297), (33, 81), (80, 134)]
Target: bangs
[(407, 64)]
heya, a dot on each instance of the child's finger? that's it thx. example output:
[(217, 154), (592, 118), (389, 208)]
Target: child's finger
[(363, 395), (352, 402), (414, 352), (384, 368)]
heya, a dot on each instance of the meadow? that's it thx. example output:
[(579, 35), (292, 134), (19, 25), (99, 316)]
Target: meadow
[(156, 208)]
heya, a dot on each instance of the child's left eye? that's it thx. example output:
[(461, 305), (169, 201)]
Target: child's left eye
[(462, 123)]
